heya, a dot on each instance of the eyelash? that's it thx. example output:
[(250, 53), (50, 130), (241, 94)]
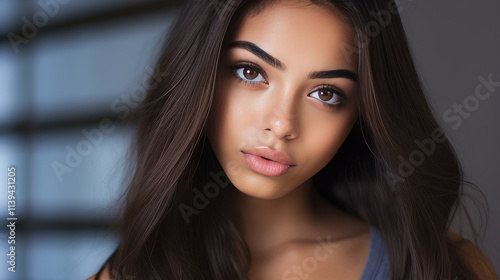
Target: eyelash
[(252, 66)]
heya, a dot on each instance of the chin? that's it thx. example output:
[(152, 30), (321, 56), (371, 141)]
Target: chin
[(260, 190)]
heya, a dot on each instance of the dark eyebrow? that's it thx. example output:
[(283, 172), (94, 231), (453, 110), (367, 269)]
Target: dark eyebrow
[(253, 48), (274, 62), (339, 73)]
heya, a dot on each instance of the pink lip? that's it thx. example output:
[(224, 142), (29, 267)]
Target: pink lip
[(278, 163)]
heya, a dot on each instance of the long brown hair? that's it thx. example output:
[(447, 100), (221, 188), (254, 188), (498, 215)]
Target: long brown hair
[(396, 170)]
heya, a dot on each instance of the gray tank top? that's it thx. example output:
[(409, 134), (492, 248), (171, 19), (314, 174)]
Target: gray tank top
[(377, 266)]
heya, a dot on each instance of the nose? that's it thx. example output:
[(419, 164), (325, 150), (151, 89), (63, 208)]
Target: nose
[(283, 123)]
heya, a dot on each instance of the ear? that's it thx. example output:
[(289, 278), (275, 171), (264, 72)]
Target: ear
[(474, 258)]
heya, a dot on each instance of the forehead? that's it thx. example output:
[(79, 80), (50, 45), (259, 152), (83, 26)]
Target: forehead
[(299, 33)]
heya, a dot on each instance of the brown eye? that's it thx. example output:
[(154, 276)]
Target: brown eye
[(250, 73), (325, 94), (329, 95)]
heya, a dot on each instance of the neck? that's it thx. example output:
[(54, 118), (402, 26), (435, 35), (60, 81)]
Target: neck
[(267, 224)]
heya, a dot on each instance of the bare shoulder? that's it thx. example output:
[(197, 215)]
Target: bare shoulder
[(474, 258), (104, 275)]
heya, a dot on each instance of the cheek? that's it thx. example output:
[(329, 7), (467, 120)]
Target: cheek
[(239, 119), (325, 136)]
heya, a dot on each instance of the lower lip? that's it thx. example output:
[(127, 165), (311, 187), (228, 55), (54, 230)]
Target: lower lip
[(264, 166)]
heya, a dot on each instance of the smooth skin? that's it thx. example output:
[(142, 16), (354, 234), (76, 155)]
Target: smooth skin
[(278, 105), (292, 232)]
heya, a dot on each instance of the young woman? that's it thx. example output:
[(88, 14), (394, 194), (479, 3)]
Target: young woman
[(291, 140)]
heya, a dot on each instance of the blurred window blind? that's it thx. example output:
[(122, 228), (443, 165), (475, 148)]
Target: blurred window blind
[(70, 73)]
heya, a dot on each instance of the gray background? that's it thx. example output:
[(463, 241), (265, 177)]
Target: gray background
[(454, 42)]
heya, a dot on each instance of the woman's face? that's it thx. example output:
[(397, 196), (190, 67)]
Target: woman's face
[(283, 84)]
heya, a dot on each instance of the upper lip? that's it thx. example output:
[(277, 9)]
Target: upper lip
[(274, 155)]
